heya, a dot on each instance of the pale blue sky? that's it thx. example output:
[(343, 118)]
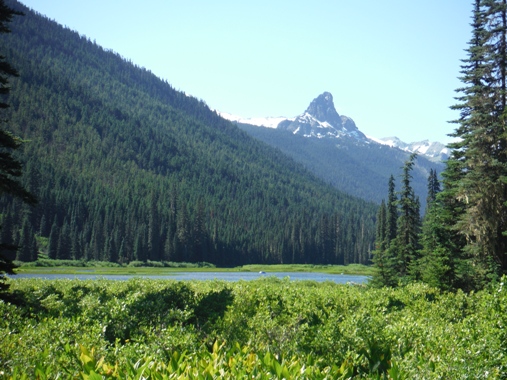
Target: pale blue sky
[(391, 65)]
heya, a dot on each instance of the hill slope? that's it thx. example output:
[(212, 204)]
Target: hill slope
[(126, 168), (333, 148)]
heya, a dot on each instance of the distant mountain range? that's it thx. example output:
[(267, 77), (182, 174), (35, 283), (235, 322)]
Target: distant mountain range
[(435, 151), (321, 120), (333, 147)]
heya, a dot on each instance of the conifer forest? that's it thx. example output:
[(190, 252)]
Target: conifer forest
[(126, 168), (102, 162)]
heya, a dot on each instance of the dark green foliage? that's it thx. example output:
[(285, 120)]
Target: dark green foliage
[(126, 168), (261, 329), (382, 257), (391, 212), (433, 188), (349, 165), (463, 237), (396, 254), (406, 243), (10, 166)]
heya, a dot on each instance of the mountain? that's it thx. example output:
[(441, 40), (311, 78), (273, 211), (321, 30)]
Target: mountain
[(332, 147), (435, 151), (127, 168), (268, 122), (322, 120)]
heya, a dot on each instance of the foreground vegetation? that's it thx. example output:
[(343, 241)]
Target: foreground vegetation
[(262, 329)]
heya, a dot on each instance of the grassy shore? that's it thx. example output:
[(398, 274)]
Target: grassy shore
[(356, 269), (100, 268)]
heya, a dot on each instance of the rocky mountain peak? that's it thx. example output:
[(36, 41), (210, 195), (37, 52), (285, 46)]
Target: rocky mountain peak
[(322, 108), (321, 120)]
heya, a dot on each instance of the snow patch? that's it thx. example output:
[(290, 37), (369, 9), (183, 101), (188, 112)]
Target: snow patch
[(267, 122)]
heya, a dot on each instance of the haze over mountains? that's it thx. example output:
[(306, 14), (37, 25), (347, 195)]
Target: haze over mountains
[(333, 147)]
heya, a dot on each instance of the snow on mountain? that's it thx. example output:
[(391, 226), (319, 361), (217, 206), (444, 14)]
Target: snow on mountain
[(320, 120), (267, 122), (435, 151)]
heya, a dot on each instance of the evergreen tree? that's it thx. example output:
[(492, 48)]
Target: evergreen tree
[(10, 167), (381, 230), (183, 234), (384, 258), (406, 243), (63, 251), (54, 237), (433, 188), (140, 248), (436, 261), (153, 230), (391, 211), (479, 159), (27, 250), (199, 234), (384, 275)]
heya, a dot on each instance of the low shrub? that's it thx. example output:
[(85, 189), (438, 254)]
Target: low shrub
[(266, 328)]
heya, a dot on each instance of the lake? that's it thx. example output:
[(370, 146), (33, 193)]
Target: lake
[(204, 276)]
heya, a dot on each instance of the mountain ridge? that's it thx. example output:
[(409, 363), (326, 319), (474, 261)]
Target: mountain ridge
[(332, 147), (126, 168), (321, 120)]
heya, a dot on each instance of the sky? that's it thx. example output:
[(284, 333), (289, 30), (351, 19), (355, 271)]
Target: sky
[(391, 65)]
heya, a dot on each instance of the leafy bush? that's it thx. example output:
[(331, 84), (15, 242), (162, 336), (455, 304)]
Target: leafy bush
[(267, 328)]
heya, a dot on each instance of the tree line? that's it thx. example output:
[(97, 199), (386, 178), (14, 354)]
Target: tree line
[(126, 168)]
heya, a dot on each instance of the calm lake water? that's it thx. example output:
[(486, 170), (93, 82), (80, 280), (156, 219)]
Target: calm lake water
[(225, 276)]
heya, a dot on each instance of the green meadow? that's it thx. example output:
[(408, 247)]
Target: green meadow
[(259, 329)]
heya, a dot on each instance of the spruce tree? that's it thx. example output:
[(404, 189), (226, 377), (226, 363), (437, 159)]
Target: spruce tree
[(436, 260), (433, 188), (384, 259), (479, 158), (54, 237), (384, 275), (391, 211), (27, 249), (10, 167), (406, 243)]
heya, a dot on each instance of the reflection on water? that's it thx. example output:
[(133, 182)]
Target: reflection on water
[(225, 276)]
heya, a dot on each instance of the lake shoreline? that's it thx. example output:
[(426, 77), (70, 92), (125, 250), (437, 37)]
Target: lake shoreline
[(353, 269), (204, 276)]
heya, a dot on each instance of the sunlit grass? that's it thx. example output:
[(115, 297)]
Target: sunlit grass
[(97, 268)]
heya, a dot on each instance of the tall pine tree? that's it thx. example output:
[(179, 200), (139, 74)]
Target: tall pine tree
[(478, 165), (10, 168), (406, 244), (397, 238)]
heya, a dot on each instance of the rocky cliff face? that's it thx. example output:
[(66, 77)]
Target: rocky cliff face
[(321, 120)]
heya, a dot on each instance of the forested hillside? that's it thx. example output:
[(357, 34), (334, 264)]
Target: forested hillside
[(352, 166), (127, 168)]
